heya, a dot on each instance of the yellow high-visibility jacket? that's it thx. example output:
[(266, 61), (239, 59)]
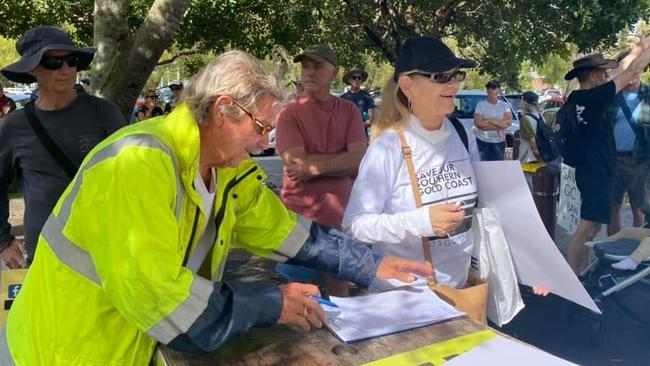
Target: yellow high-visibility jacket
[(108, 281)]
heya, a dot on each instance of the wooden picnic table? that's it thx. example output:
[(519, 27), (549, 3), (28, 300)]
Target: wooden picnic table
[(284, 346)]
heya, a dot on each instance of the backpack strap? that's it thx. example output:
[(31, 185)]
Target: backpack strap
[(64, 161), (460, 130), (626, 111)]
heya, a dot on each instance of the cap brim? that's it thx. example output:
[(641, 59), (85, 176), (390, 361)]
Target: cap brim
[(19, 70), (448, 64), (348, 75), (316, 58), (611, 64)]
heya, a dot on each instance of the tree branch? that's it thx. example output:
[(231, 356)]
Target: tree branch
[(176, 56), (444, 13), (372, 35)]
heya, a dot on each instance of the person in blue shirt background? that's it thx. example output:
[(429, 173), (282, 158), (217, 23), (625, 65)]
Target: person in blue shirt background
[(631, 174), (361, 98)]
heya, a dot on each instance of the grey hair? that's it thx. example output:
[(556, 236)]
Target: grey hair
[(236, 74), (529, 108)]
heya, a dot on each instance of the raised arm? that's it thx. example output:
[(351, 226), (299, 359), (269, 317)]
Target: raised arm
[(632, 65)]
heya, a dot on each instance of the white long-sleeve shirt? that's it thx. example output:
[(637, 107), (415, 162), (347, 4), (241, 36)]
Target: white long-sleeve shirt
[(382, 211)]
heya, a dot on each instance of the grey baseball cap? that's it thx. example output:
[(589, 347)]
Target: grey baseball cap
[(32, 46)]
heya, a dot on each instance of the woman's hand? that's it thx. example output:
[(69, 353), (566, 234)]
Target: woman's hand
[(402, 269), (446, 218)]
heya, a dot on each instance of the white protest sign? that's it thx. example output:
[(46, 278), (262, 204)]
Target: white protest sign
[(502, 187), (568, 211)]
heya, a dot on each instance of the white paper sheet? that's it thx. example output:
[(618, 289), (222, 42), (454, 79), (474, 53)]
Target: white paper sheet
[(538, 261), (384, 313), (506, 352)]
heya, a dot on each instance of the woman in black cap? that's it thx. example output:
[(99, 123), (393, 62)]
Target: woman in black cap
[(382, 205)]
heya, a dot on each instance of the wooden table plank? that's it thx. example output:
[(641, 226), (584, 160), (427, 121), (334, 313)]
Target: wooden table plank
[(284, 346)]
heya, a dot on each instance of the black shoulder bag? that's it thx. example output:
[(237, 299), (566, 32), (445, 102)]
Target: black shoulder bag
[(49, 144)]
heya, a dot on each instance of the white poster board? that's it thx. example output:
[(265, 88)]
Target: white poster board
[(568, 210), (502, 187)]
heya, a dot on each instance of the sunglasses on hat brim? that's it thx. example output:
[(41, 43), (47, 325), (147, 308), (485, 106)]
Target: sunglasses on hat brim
[(56, 62)]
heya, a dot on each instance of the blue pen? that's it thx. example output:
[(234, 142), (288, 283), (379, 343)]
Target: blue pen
[(323, 301)]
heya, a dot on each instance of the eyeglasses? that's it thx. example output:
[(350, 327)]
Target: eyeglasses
[(261, 127), (56, 62), (175, 88), (357, 77), (443, 77)]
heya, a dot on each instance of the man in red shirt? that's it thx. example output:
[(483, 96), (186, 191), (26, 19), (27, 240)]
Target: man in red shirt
[(321, 139), (7, 104)]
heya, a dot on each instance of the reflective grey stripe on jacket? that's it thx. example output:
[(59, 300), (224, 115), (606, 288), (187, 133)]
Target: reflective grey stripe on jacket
[(80, 260), (5, 356), (293, 242)]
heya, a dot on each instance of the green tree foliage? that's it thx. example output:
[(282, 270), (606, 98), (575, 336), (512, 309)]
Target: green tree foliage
[(500, 34)]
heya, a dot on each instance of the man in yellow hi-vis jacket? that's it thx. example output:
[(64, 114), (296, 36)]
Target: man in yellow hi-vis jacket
[(117, 263)]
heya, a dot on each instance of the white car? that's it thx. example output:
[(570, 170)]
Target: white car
[(465, 104)]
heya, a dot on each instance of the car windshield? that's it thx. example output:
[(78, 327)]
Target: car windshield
[(515, 102), (465, 105)]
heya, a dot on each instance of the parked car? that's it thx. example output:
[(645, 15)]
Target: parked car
[(515, 102), (550, 93), (465, 106), (553, 102), (20, 98)]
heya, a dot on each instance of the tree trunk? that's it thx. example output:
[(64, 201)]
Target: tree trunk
[(123, 64)]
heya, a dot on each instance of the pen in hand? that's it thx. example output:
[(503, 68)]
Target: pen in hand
[(322, 301)]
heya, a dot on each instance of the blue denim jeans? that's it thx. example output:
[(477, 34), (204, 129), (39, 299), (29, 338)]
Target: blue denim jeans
[(491, 151)]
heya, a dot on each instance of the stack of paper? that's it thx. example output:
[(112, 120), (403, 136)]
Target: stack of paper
[(384, 313), (503, 351)]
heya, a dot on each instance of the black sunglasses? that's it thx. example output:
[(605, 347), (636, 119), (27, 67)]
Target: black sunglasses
[(444, 77), (56, 62), (357, 77), (261, 127)]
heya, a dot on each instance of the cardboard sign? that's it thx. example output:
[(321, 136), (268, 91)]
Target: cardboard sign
[(10, 282), (568, 211)]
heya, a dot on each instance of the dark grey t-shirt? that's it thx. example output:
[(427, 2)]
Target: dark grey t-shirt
[(76, 129)]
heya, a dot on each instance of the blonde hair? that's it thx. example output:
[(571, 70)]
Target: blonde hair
[(236, 74), (394, 110), (529, 108)]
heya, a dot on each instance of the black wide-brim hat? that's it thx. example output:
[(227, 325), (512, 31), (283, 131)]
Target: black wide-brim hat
[(35, 43), (593, 61), (429, 55), (352, 72)]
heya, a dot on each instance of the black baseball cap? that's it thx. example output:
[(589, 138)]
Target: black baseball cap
[(530, 97), (493, 84), (33, 45), (429, 55)]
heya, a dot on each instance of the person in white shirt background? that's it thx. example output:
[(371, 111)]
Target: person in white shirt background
[(491, 118), (381, 210)]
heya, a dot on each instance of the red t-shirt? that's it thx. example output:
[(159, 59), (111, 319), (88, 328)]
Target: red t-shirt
[(321, 128)]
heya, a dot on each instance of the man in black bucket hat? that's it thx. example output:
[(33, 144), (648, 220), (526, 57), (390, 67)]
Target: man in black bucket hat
[(48, 138), (595, 165)]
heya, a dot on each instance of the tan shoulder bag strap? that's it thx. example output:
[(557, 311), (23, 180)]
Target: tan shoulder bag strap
[(408, 158)]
